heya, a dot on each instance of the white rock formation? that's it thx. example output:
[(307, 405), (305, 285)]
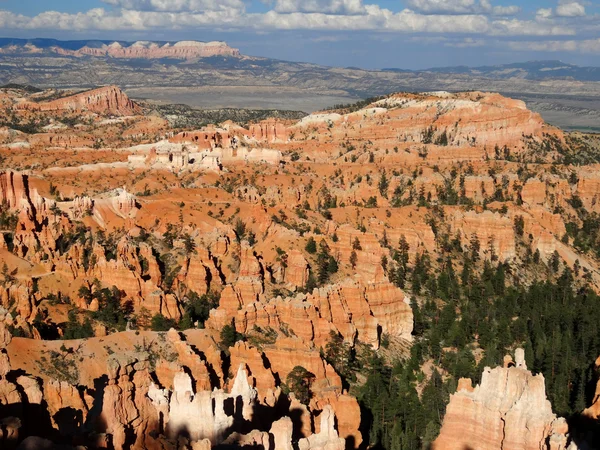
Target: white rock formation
[(327, 438), (202, 415)]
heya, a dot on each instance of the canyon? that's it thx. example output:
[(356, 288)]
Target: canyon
[(253, 284)]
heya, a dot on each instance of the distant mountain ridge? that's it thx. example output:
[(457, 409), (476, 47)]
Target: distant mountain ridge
[(214, 75), (531, 70), (184, 50)]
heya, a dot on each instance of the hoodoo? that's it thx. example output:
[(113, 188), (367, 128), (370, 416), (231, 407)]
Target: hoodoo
[(317, 284), (507, 410)]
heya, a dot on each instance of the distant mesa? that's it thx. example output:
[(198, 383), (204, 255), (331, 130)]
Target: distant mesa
[(184, 50)]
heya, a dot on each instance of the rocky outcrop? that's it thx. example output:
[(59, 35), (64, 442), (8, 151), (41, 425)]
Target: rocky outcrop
[(270, 130), (588, 190), (105, 100), (140, 284), (493, 232), (350, 308), (327, 438), (439, 122), (124, 203), (508, 409), (593, 410), (162, 388)]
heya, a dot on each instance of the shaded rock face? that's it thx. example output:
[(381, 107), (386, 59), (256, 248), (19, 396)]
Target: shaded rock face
[(105, 100), (593, 410), (508, 410), (327, 438), (169, 393)]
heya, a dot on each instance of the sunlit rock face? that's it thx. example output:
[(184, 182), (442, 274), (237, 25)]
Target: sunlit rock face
[(508, 409)]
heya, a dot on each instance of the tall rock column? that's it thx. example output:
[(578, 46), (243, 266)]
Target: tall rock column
[(508, 410)]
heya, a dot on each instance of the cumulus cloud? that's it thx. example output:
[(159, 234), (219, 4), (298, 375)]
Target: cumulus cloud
[(368, 17), (570, 9), (565, 8), (462, 7), (374, 19), (177, 5), (506, 10), (94, 19), (582, 46), (544, 13), (409, 21), (320, 6), (516, 27)]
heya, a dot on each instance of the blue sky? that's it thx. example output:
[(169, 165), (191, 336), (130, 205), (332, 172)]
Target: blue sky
[(364, 33)]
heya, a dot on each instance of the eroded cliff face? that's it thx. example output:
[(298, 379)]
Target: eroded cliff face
[(187, 50), (350, 308), (105, 100), (507, 410), (434, 126), (148, 390)]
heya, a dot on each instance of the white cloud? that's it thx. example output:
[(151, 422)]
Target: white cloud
[(443, 6), (570, 9), (320, 6), (409, 21), (544, 13), (565, 8), (466, 43), (94, 19), (177, 5), (462, 7), (506, 10), (373, 18), (583, 46), (517, 27), (450, 41)]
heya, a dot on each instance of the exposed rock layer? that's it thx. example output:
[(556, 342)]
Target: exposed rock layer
[(508, 410)]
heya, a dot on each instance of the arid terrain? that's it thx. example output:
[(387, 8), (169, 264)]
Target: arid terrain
[(416, 271), (214, 75)]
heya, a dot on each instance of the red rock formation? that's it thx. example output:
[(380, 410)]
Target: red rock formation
[(13, 189), (206, 138), (104, 100), (327, 438), (550, 192), (354, 309), (593, 410), (151, 50), (347, 412), (270, 130), (492, 230), (588, 190), (349, 308), (124, 203), (508, 409)]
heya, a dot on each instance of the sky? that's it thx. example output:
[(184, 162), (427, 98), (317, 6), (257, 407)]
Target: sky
[(409, 34)]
